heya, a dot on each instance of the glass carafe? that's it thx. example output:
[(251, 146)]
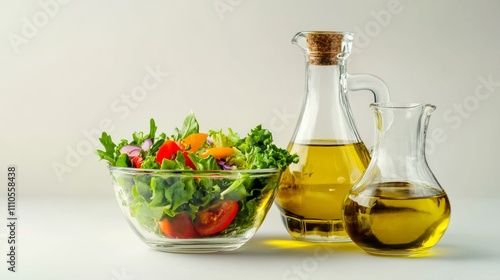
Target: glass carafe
[(398, 206), (332, 155)]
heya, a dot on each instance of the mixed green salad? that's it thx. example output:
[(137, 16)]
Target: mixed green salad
[(196, 206)]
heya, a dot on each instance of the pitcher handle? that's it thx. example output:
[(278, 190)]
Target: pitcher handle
[(369, 82), (372, 83)]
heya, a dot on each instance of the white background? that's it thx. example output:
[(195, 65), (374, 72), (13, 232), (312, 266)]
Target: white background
[(68, 66)]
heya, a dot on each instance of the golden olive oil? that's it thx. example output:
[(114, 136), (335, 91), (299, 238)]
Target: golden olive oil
[(311, 192), (396, 220)]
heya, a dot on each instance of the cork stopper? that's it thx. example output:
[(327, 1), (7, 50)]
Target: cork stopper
[(325, 48)]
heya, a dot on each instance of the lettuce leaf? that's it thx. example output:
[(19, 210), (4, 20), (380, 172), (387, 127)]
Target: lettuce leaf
[(208, 163), (189, 127), (179, 193), (178, 163), (259, 152), (221, 139)]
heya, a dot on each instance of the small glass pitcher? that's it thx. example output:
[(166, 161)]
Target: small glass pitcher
[(398, 206)]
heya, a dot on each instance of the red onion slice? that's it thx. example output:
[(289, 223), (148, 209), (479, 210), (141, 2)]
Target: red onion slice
[(129, 149), (146, 144), (134, 153), (224, 165)]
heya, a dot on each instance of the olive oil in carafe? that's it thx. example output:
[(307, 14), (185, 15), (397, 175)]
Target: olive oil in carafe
[(311, 193), (395, 221)]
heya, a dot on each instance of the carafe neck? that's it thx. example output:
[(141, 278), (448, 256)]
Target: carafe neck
[(325, 85), (399, 150), (326, 115)]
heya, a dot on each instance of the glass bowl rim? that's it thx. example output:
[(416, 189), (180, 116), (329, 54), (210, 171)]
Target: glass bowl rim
[(141, 171)]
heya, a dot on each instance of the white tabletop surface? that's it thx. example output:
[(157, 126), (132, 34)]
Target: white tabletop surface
[(87, 238)]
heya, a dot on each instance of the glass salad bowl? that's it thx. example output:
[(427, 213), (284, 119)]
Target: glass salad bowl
[(188, 211)]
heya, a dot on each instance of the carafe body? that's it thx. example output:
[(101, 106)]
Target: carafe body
[(332, 155)]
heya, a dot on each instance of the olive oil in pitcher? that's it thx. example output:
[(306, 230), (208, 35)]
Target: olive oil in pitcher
[(394, 220)]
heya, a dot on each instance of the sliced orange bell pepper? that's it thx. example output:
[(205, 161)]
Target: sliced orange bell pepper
[(194, 141), (218, 153)]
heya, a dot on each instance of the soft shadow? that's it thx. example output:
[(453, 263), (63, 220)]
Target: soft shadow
[(272, 246), (278, 245), (464, 251)]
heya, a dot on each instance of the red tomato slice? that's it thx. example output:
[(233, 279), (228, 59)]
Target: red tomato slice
[(137, 161), (168, 150), (180, 226), (189, 162), (216, 218)]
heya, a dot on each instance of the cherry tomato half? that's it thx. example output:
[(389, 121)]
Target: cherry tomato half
[(137, 161), (168, 150), (179, 226), (215, 218)]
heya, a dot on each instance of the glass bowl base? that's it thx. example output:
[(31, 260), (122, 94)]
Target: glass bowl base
[(196, 246)]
